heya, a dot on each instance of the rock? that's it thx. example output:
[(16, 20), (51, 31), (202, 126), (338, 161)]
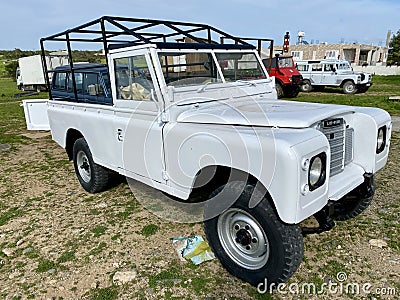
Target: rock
[(378, 243), (14, 275), (101, 205), (4, 147), (339, 247), (122, 277), (8, 252), (95, 285), (27, 250)]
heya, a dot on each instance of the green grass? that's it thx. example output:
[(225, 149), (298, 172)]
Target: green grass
[(12, 213), (45, 265), (107, 293), (66, 256), (149, 230), (377, 96), (8, 88), (98, 230)]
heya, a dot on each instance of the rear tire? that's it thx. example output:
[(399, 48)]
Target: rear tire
[(306, 87), (253, 244), (93, 177)]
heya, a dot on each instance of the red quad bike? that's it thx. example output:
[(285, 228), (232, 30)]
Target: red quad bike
[(287, 77)]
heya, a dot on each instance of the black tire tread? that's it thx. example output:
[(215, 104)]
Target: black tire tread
[(305, 90), (101, 176), (345, 212)]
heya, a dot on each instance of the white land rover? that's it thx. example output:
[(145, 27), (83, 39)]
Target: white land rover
[(332, 72), (200, 122)]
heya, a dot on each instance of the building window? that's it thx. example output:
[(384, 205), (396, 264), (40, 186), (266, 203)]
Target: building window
[(332, 54), (297, 55)]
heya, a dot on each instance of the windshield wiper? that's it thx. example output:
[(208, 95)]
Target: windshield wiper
[(203, 88), (250, 83)]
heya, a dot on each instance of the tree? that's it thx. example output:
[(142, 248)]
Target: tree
[(395, 45)]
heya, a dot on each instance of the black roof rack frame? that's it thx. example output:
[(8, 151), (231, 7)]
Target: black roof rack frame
[(116, 32)]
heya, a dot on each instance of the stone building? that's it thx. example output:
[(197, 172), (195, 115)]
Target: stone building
[(357, 54)]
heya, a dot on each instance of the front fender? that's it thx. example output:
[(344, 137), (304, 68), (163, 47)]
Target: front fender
[(272, 156)]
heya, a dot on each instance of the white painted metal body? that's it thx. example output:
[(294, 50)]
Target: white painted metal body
[(167, 141), (331, 72)]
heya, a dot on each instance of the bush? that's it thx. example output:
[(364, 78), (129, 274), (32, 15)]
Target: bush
[(10, 69)]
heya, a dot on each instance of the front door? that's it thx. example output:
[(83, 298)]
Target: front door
[(138, 126)]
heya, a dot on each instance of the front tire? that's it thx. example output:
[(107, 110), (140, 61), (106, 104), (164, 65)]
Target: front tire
[(253, 244), (279, 90), (349, 87), (93, 177)]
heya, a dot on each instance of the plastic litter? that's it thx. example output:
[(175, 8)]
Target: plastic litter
[(194, 248)]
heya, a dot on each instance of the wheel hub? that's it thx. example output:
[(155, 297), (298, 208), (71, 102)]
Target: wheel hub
[(243, 237), (83, 166)]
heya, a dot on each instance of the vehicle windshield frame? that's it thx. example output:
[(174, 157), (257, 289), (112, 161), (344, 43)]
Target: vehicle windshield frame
[(291, 65), (220, 76)]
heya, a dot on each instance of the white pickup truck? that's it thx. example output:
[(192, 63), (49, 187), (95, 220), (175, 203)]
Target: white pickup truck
[(203, 118)]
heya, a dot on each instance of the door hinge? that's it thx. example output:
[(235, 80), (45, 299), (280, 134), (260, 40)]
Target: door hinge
[(165, 175), (164, 117)]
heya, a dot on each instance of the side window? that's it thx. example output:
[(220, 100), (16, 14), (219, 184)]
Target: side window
[(328, 68), (317, 67), (133, 79), (78, 82), (90, 84), (302, 68), (60, 81)]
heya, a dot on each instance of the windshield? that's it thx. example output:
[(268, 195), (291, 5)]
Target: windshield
[(239, 66), (191, 68), (285, 62), (344, 66), (199, 68)]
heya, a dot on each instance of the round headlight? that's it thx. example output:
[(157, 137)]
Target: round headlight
[(315, 171), (381, 140)]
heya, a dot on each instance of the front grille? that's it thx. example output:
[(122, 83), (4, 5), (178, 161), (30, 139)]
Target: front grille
[(340, 140), (296, 79), (348, 152)]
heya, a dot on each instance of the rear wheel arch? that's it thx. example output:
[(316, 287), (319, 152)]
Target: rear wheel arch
[(71, 136)]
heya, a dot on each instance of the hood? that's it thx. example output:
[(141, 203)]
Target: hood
[(289, 72), (270, 113)]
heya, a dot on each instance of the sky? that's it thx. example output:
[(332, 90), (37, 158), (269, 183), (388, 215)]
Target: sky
[(24, 22)]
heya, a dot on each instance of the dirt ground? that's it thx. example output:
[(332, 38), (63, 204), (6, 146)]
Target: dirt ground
[(59, 242)]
